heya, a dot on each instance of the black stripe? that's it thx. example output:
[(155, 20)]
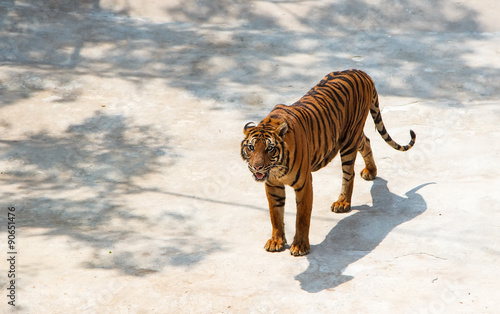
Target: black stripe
[(297, 175), (337, 95), (311, 119), (329, 92), (277, 197), (295, 113), (350, 151), (288, 111), (301, 188), (348, 81), (320, 112), (315, 119), (344, 91), (348, 162), (344, 178), (275, 186)]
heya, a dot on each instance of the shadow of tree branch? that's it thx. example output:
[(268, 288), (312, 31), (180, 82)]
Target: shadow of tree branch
[(214, 48), (76, 184)]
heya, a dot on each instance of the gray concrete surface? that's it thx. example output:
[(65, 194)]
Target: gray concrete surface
[(120, 124)]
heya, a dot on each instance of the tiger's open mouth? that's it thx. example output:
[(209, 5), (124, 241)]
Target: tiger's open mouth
[(259, 176)]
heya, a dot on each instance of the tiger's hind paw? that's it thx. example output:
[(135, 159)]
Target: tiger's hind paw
[(369, 175), (341, 207)]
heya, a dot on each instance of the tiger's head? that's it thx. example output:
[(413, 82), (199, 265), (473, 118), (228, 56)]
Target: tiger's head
[(263, 147)]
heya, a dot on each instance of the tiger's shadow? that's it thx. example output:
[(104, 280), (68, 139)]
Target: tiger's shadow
[(357, 235)]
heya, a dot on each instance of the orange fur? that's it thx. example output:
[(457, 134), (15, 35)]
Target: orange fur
[(293, 141)]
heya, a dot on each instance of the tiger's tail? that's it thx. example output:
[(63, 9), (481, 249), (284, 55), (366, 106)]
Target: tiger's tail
[(379, 124)]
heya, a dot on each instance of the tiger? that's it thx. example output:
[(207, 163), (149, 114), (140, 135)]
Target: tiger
[(293, 141)]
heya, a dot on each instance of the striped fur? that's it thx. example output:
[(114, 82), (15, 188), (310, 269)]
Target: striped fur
[(293, 141)]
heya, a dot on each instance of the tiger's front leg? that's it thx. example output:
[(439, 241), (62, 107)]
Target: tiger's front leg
[(348, 157), (304, 198), (276, 198)]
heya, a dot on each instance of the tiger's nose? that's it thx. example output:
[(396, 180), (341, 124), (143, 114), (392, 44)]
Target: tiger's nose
[(258, 167)]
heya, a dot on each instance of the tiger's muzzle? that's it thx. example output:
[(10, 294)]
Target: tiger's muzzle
[(260, 173)]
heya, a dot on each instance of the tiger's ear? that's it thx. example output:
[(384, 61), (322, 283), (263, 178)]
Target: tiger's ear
[(248, 127), (282, 129)]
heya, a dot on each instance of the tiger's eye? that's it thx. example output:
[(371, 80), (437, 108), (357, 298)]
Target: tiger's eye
[(251, 148), (270, 148)]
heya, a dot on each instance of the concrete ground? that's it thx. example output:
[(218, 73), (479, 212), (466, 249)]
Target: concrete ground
[(120, 125)]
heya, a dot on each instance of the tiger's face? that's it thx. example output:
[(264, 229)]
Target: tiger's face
[(263, 148)]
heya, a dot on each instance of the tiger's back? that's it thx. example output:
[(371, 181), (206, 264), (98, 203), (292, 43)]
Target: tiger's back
[(333, 112)]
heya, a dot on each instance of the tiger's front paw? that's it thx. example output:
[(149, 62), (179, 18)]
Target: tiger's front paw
[(275, 245), (341, 207), (300, 248)]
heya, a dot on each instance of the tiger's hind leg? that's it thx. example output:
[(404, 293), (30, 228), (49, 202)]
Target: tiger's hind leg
[(370, 171), (348, 157)]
